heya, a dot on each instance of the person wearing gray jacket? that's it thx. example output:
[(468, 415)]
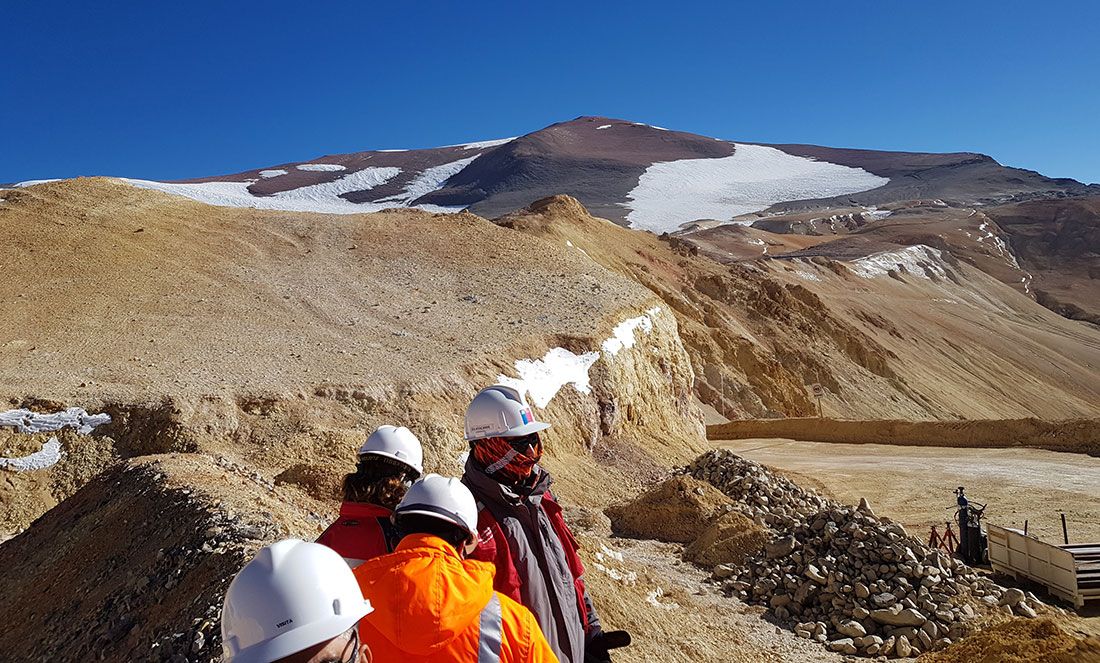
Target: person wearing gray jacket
[(521, 529)]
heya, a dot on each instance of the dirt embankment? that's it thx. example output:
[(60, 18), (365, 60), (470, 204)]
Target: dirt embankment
[(134, 565), (912, 346), (1073, 436)]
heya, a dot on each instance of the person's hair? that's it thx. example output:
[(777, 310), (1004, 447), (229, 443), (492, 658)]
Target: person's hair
[(418, 523), (377, 480)]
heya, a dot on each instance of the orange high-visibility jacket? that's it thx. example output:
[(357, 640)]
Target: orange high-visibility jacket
[(430, 605)]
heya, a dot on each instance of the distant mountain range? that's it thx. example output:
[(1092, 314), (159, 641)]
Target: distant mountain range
[(1015, 223), (635, 174)]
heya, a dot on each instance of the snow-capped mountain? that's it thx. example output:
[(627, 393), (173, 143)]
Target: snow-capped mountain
[(639, 175)]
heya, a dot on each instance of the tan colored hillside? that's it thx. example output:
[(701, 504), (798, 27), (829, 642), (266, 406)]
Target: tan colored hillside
[(963, 345), (244, 354)]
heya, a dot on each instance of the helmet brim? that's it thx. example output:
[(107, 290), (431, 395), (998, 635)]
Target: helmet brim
[(526, 429), (382, 454)]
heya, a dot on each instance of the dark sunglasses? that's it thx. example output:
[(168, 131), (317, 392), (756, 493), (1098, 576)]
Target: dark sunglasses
[(524, 443)]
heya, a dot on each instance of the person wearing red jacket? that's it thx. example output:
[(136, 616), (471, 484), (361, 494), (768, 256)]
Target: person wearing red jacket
[(521, 529), (389, 461)]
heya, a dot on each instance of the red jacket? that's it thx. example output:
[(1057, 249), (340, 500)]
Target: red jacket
[(537, 564), (362, 532)]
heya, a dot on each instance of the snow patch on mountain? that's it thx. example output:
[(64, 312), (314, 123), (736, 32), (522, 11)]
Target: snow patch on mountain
[(671, 193), (321, 167), (34, 182), (28, 422), (918, 260), (273, 172), (323, 197), (484, 143), (432, 179), (542, 379), (622, 337)]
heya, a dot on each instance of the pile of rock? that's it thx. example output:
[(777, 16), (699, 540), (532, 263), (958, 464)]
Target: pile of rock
[(844, 577)]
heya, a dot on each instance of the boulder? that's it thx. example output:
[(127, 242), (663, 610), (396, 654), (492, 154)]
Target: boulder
[(906, 617), (1012, 597), (852, 629), (842, 646), (902, 647)]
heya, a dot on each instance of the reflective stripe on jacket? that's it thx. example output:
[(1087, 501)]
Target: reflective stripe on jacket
[(362, 532), (431, 606), (536, 558)]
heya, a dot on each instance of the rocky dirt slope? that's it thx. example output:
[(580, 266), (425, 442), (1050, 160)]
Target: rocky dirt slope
[(243, 354), (943, 340)]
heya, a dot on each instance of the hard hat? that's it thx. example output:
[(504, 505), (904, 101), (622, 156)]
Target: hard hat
[(500, 411), (397, 443), (291, 596), (445, 498)]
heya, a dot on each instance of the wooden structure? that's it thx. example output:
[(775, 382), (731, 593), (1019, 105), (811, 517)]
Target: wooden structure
[(1070, 572)]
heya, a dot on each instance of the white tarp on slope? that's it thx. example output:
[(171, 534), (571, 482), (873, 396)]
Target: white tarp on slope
[(39, 460), (26, 421), (671, 193), (542, 379)]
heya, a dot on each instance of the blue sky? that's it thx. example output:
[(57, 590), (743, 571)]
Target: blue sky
[(172, 90)]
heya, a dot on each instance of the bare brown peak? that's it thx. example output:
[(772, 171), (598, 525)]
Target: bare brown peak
[(557, 204)]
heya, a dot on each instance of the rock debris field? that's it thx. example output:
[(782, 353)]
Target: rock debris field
[(857, 583)]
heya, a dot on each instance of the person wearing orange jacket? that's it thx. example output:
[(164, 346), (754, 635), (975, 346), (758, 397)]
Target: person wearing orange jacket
[(389, 461), (431, 604)]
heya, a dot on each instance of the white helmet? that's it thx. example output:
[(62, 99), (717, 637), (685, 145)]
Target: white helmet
[(291, 596), (441, 497), (500, 411), (397, 443)]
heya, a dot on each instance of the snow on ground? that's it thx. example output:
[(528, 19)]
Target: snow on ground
[(623, 334), (915, 260), (484, 143), (432, 179), (998, 244), (33, 182), (321, 167), (542, 379), (324, 197), (671, 193), (48, 455), (274, 172), (26, 421), (603, 126), (877, 214)]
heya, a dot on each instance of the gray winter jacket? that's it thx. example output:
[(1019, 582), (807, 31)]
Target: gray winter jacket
[(538, 561)]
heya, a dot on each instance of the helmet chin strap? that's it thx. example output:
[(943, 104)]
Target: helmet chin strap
[(470, 546)]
